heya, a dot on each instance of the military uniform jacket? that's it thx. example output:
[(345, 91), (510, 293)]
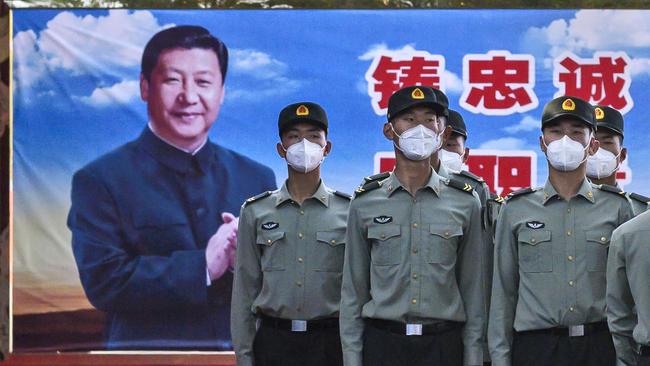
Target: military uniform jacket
[(628, 272), (549, 261), (141, 218), (289, 261), (412, 259)]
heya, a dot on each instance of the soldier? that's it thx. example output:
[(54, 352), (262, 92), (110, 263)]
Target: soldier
[(628, 270), (453, 157), (548, 294), (411, 280), (603, 165), (291, 244)]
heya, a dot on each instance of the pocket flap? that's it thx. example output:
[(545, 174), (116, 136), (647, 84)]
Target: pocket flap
[(332, 238), (597, 236), (534, 237), (383, 232), (269, 238), (445, 231)]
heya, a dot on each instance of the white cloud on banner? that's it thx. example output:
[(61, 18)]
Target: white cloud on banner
[(84, 44), (504, 143), (526, 124), (120, 93), (269, 74), (452, 82), (594, 30)]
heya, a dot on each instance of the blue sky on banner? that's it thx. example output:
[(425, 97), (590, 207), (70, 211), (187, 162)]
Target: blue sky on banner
[(77, 93)]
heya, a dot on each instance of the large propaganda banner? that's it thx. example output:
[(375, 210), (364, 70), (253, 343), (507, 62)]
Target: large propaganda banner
[(77, 96)]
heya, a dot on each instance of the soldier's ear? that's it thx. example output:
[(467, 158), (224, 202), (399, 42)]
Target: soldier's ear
[(446, 134), (623, 155), (542, 146), (281, 151), (594, 145), (388, 131), (328, 148), (466, 155)]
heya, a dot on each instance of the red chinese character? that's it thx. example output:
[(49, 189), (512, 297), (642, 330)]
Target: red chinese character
[(498, 83), (391, 71), (514, 173), (603, 79)]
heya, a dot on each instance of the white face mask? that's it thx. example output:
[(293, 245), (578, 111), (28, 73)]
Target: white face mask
[(418, 143), (451, 160), (565, 154), (305, 156), (602, 164)]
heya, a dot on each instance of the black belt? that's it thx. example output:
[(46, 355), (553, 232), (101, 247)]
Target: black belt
[(288, 324), (401, 328), (571, 331), (644, 351)]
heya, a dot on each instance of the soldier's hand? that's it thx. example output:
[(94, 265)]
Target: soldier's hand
[(221, 247)]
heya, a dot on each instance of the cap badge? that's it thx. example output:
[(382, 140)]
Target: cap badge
[(417, 94), (302, 110), (568, 105), (600, 114)]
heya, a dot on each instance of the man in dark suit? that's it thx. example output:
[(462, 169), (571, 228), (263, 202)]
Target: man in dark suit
[(152, 229)]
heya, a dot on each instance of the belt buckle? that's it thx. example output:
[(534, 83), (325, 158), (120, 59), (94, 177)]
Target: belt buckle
[(298, 325), (413, 329), (576, 330)]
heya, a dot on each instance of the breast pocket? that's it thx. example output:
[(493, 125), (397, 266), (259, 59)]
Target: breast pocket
[(329, 251), (273, 250), (442, 243), (597, 246), (535, 251), (386, 244), (161, 232)]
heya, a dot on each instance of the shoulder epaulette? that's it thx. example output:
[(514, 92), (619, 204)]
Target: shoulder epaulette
[(465, 187), (611, 189), (380, 176), (519, 192), (640, 198), (471, 175), (257, 198), (372, 185), (496, 198), (343, 195)]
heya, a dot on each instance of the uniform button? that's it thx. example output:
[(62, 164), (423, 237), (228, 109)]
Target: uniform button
[(570, 258), (603, 239), (568, 233), (414, 301), (299, 284), (302, 212), (383, 236), (269, 241), (572, 309), (415, 250), (533, 240), (415, 224), (446, 234), (300, 260), (415, 201), (333, 241), (571, 283), (300, 235), (568, 210), (200, 211), (415, 276)]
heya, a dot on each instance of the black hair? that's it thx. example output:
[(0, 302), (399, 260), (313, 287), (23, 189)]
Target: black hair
[(183, 36)]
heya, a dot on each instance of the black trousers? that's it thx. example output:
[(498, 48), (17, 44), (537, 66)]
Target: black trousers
[(546, 349), (642, 360), (384, 348), (279, 347)]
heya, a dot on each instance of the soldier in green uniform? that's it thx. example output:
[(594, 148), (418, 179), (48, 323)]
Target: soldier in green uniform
[(548, 293), (290, 250), (628, 271), (450, 161), (412, 275), (603, 165)]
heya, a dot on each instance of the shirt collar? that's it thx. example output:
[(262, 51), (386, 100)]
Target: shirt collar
[(150, 125), (321, 195), (392, 184), (175, 158), (585, 191)]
